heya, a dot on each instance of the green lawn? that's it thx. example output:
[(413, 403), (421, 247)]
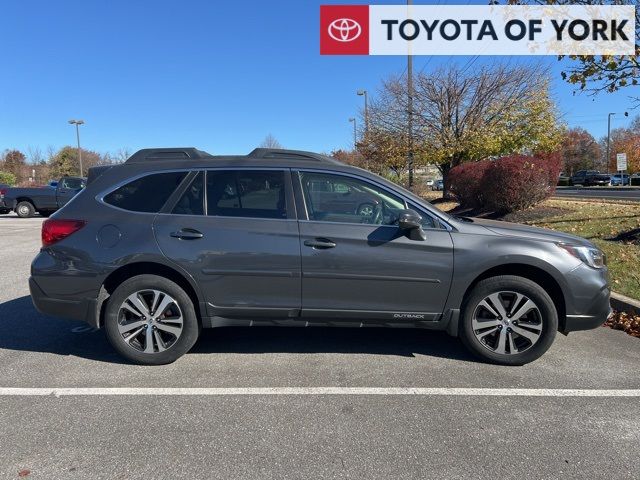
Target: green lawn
[(595, 221)]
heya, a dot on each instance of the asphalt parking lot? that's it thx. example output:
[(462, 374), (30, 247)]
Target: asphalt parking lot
[(535, 429)]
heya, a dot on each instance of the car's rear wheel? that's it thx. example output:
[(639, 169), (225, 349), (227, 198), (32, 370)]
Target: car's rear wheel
[(508, 320), (25, 209), (151, 320)]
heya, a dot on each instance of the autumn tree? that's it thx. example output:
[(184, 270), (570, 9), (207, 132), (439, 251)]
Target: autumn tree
[(579, 150), (350, 157), (7, 178), (625, 140), (599, 73), (462, 116), (65, 161), (14, 161)]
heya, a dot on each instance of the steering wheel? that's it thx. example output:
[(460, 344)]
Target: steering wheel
[(376, 218)]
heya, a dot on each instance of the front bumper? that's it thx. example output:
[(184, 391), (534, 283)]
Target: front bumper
[(594, 314), (82, 309)]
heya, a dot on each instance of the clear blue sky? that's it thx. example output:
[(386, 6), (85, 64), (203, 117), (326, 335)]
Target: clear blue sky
[(216, 75)]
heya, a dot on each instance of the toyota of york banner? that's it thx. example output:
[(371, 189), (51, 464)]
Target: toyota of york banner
[(477, 30)]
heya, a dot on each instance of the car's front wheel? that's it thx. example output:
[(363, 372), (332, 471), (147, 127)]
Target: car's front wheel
[(508, 320), (151, 320)]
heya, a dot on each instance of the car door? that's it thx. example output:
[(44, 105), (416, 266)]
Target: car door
[(235, 231), (362, 265), (67, 189)]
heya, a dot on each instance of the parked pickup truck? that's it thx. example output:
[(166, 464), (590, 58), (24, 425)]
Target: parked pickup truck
[(44, 200), (589, 177)]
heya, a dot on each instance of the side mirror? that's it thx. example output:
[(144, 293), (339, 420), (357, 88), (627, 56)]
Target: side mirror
[(410, 220)]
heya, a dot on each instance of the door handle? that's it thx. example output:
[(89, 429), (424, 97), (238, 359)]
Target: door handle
[(320, 243), (187, 234)]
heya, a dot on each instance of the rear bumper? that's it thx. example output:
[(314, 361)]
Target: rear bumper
[(75, 309)]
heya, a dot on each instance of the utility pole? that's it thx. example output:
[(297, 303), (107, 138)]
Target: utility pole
[(355, 138), (77, 123), (410, 109), (366, 110)]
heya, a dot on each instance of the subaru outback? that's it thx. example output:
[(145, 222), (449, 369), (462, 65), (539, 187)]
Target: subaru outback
[(176, 240)]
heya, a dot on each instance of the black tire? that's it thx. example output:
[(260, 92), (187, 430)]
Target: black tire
[(4, 211), (190, 325), (25, 209), (509, 283)]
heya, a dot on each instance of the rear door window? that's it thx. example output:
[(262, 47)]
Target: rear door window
[(146, 194), (192, 200), (246, 193)]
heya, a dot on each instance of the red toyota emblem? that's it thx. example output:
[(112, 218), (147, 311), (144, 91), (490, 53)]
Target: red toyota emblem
[(344, 30)]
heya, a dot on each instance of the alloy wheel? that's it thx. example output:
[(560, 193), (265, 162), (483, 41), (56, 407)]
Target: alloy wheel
[(150, 321), (507, 323), (366, 210)]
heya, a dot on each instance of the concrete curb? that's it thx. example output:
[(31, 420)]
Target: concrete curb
[(623, 303)]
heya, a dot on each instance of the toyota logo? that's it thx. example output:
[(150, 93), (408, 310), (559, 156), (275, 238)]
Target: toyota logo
[(344, 30)]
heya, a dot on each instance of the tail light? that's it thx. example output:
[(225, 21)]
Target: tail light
[(54, 230), (3, 192)]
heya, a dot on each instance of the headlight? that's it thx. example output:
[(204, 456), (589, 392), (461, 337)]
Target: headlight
[(591, 256)]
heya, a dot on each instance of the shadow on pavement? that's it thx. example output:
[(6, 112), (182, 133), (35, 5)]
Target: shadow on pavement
[(375, 341), (22, 328)]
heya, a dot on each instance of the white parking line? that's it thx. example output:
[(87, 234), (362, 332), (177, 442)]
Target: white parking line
[(474, 392)]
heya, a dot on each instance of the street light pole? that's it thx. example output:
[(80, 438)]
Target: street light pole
[(410, 110), (355, 141), (77, 123), (366, 110)]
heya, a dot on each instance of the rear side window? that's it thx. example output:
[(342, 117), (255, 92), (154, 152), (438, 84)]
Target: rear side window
[(246, 193), (146, 194), (192, 200)]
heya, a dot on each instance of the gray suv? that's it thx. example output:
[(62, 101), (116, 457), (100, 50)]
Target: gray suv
[(175, 240)]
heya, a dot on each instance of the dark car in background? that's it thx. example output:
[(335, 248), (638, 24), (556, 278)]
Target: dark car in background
[(45, 200), (176, 240), (588, 178)]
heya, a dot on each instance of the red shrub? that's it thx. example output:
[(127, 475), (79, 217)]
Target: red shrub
[(466, 183), (518, 182), (507, 184)]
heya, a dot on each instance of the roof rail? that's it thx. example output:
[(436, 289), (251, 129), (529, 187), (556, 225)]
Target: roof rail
[(290, 154), (154, 154)]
